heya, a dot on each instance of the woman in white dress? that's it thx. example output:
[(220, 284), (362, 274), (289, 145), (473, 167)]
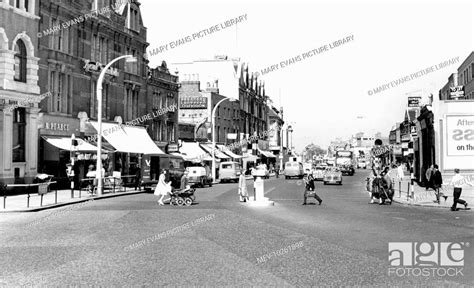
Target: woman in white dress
[(162, 188)]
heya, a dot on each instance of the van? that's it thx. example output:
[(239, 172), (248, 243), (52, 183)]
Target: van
[(151, 167), (229, 171), (294, 169)]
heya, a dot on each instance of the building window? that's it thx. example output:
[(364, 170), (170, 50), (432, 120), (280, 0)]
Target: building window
[(19, 128), (60, 87), (20, 61)]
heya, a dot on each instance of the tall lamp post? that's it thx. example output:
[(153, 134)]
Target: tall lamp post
[(213, 116), (98, 174)]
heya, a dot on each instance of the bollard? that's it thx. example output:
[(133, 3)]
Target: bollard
[(4, 201), (72, 188), (399, 189), (408, 191), (28, 201), (412, 192), (41, 201), (56, 196)]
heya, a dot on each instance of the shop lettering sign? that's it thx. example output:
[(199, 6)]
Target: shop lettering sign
[(56, 126), (377, 152)]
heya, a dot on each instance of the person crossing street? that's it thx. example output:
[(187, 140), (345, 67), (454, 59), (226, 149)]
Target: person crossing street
[(309, 190)]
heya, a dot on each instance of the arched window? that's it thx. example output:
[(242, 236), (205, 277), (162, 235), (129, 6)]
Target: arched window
[(20, 61)]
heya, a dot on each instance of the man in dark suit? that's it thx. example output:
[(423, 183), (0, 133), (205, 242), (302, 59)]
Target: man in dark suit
[(309, 189), (437, 181)]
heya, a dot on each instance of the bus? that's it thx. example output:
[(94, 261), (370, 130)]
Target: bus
[(345, 162)]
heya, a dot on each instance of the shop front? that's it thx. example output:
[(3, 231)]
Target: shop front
[(129, 144), (56, 149)]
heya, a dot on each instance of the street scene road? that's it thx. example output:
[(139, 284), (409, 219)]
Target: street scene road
[(236, 143), (344, 240)]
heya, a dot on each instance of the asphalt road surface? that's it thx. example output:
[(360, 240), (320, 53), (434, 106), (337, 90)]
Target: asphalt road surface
[(131, 241)]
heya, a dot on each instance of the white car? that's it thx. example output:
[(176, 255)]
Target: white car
[(318, 173), (260, 171)]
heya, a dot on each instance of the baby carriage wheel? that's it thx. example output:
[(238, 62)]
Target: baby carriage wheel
[(188, 201), (180, 201), (173, 201)]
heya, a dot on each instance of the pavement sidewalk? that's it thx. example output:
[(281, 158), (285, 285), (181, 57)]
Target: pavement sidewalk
[(422, 197), (19, 203)]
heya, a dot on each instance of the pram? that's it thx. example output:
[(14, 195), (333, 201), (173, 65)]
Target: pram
[(383, 190), (182, 197)]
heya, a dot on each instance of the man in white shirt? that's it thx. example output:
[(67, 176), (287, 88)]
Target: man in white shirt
[(457, 181)]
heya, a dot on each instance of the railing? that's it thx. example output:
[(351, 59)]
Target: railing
[(43, 188), (112, 184)]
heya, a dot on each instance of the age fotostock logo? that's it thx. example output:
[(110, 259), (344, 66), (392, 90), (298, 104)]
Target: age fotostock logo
[(426, 258)]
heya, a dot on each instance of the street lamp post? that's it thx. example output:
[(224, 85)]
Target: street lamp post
[(213, 116), (98, 174)]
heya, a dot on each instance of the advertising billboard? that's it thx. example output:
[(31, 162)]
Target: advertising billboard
[(460, 135)]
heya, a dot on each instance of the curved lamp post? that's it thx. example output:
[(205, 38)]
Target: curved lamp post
[(98, 174), (214, 136)]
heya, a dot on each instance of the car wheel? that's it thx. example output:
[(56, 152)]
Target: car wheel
[(340, 182), (286, 177), (325, 183)]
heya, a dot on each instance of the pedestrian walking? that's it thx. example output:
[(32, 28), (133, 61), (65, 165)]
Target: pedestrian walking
[(185, 182), (428, 175), (437, 181), (457, 183), (243, 193), (162, 188), (400, 172), (309, 190)]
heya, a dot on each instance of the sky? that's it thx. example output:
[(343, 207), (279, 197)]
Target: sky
[(325, 96)]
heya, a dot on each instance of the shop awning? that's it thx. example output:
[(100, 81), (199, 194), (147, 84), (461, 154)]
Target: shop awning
[(191, 151), (226, 151), (219, 154), (250, 158), (266, 153), (64, 143), (129, 139)]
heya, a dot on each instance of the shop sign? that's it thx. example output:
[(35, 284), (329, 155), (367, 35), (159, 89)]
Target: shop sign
[(414, 101), (172, 147), (456, 92), (56, 126), (379, 151), (193, 102), (460, 135), (97, 67)]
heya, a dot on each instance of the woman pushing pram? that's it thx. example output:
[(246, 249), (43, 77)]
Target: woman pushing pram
[(380, 186)]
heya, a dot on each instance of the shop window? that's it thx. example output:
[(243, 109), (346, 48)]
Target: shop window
[(20, 61), (19, 129)]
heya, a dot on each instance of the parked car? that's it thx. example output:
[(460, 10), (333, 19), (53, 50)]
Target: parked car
[(293, 169), (261, 171), (318, 173), (197, 176), (229, 171), (332, 175), (362, 164)]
